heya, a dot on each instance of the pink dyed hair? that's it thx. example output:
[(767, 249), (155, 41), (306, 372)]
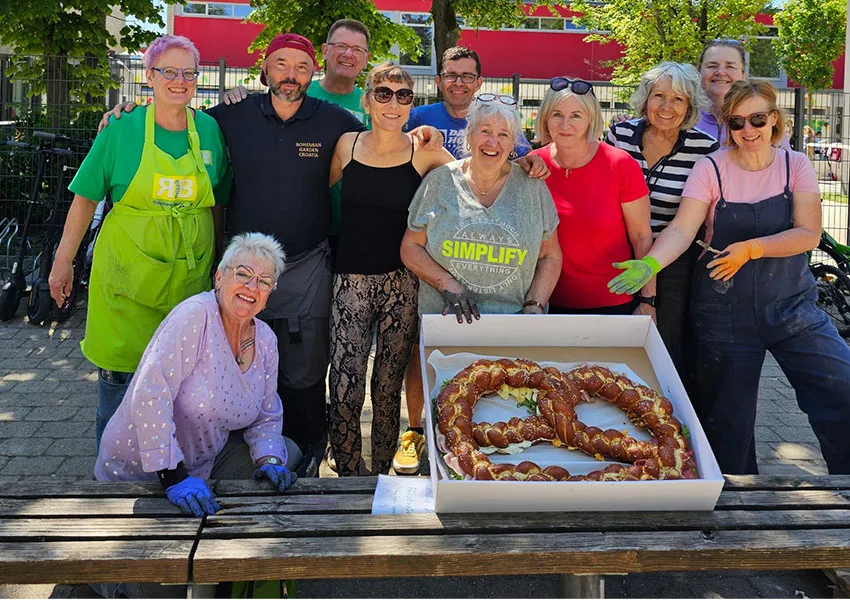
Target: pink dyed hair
[(170, 42)]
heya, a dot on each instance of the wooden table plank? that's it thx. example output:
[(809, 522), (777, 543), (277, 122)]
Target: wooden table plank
[(165, 561), (510, 554), (294, 503), (87, 507), (800, 499), (311, 485), (225, 525), (784, 482), (83, 489), (68, 529)]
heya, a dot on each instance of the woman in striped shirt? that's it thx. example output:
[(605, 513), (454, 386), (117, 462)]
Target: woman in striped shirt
[(662, 139)]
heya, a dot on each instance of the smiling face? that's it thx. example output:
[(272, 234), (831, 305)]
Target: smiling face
[(753, 139), (721, 67), (345, 54), (178, 90), (388, 115), (457, 94), (239, 299), (666, 109), (568, 123), (288, 73), (490, 141)]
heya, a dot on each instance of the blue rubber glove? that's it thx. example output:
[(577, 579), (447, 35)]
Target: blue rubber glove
[(280, 476), (636, 275), (193, 496)]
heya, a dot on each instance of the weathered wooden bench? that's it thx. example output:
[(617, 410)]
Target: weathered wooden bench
[(323, 528)]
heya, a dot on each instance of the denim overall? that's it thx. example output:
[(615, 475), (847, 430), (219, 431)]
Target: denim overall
[(770, 305)]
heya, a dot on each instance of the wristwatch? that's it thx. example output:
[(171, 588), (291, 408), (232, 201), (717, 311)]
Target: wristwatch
[(647, 300), (269, 460)]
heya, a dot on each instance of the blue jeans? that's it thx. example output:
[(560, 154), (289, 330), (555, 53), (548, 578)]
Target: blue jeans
[(111, 387)]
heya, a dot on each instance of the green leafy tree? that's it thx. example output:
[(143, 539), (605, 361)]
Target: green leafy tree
[(651, 31), (810, 36), (313, 18), (480, 14)]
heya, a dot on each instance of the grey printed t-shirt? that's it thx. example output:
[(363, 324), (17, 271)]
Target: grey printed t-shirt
[(491, 251)]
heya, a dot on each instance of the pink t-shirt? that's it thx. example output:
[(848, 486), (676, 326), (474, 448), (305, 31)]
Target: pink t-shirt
[(748, 187), (592, 231)]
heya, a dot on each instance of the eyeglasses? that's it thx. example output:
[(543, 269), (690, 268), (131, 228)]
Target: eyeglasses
[(577, 86), (757, 120), (384, 94), (244, 276), (503, 98), (464, 77), (172, 72), (342, 48)]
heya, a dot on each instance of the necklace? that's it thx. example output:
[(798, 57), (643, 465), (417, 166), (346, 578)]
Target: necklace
[(583, 162), (478, 189), (243, 349)]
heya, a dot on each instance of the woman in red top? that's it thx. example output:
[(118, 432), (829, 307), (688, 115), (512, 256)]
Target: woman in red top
[(602, 202)]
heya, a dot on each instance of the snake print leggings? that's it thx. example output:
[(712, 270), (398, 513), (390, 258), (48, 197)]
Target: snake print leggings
[(362, 304)]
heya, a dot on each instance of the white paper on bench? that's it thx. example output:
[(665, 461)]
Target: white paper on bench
[(492, 408), (403, 495)]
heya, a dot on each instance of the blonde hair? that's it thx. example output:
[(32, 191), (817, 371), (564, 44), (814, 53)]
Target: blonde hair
[(684, 79), (743, 90), (386, 71), (588, 101)]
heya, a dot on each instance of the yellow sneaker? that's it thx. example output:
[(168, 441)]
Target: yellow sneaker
[(409, 453)]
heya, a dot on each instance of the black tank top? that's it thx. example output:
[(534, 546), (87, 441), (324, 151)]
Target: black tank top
[(374, 215)]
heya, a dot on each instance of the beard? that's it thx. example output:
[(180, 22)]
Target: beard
[(288, 95)]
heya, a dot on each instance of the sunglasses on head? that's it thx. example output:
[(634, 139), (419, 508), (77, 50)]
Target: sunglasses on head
[(384, 94), (757, 120), (577, 86), (503, 98)]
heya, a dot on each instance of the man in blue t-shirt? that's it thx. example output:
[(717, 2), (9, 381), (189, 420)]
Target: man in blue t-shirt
[(458, 80)]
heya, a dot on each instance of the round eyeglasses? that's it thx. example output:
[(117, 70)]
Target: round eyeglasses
[(503, 98), (172, 73)]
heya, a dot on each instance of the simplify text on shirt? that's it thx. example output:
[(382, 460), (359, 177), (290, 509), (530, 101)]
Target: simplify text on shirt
[(477, 251)]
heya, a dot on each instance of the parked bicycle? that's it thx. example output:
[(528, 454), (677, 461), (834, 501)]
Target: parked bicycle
[(834, 282)]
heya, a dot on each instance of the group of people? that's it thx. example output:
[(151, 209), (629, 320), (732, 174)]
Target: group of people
[(230, 381)]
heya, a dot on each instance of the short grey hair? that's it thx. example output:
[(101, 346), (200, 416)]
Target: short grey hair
[(684, 79), (588, 101), (495, 108), (257, 245)]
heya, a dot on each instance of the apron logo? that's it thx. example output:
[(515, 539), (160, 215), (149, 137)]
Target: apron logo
[(175, 188), (207, 156)]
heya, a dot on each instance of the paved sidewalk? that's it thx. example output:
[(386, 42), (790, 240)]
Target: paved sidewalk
[(48, 397)]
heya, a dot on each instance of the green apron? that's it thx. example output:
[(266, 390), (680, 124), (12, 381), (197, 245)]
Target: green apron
[(155, 250)]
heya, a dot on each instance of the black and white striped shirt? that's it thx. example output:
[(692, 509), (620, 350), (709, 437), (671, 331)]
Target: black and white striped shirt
[(667, 177)]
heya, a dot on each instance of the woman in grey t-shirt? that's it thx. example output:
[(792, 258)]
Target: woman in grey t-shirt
[(480, 232)]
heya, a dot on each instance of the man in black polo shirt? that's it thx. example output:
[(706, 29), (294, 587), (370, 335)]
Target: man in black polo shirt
[(281, 144)]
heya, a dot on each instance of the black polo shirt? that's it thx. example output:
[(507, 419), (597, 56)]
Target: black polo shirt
[(281, 168)]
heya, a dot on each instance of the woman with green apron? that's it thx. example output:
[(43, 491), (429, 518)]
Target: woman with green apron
[(165, 168)]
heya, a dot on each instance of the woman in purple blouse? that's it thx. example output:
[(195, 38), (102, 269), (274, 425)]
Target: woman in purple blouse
[(203, 402)]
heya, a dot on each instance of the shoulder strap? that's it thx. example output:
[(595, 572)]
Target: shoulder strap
[(719, 182), (787, 173), (357, 137), (412, 146)]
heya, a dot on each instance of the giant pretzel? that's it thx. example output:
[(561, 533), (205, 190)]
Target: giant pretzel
[(666, 457)]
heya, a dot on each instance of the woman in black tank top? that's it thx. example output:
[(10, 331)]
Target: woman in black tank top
[(372, 291)]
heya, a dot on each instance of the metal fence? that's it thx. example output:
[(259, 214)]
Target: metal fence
[(20, 115)]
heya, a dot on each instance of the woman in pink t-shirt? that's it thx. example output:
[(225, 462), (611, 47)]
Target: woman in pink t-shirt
[(601, 198), (761, 208)]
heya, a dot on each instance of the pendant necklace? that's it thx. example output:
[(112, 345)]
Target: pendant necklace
[(243, 348)]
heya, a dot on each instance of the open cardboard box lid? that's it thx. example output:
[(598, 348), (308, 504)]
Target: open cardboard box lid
[(632, 340)]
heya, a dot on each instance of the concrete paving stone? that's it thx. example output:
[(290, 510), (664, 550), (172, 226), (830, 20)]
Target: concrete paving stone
[(28, 446), (798, 469), (15, 399), (4, 479), (59, 363), (797, 451), (7, 352), (32, 466), (767, 434), (53, 413), (766, 452), (36, 387), (78, 467), (796, 434), (10, 414), (3, 461), (7, 386), (7, 332), (80, 399), (793, 419), (71, 447), (86, 413), (769, 406), (67, 429), (18, 429), (765, 394)]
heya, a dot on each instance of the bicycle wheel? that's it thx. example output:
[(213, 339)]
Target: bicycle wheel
[(834, 296)]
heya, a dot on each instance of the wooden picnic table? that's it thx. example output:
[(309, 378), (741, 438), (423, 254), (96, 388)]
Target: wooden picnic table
[(322, 528)]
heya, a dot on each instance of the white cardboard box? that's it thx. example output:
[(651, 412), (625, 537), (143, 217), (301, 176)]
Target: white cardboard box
[(633, 340)]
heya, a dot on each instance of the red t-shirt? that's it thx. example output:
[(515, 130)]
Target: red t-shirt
[(592, 231)]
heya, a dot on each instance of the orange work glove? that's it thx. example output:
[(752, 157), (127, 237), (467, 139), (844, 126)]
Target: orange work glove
[(733, 258)]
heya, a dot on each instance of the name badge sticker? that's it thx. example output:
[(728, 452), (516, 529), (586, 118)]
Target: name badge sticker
[(207, 155)]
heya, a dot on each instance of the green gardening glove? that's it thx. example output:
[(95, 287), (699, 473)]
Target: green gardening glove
[(636, 275)]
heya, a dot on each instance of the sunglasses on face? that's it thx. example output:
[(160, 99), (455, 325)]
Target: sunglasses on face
[(576, 86), (757, 120), (172, 72), (383, 94), (503, 98), (244, 276)]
